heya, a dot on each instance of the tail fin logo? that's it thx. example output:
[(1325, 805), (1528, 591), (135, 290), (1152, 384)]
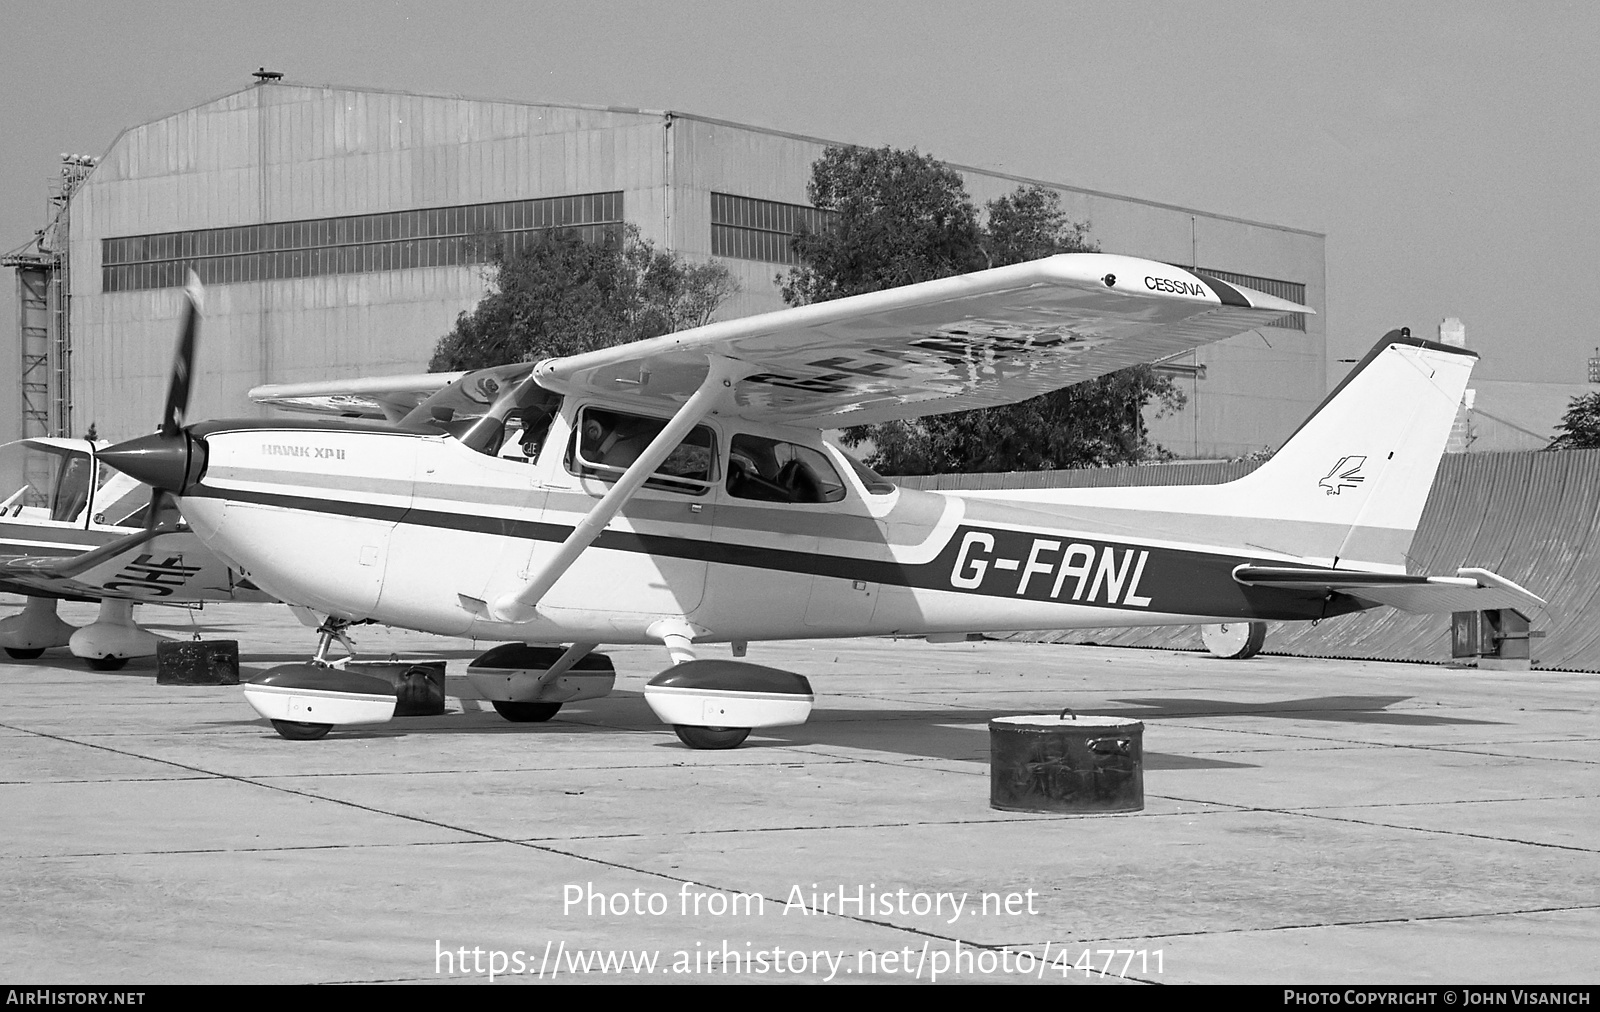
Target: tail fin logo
[(1345, 474)]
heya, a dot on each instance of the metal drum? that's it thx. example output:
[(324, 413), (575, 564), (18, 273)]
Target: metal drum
[(418, 685), (1066, 763)]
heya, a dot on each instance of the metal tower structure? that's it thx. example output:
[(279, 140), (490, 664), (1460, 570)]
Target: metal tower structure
[(44, 292)]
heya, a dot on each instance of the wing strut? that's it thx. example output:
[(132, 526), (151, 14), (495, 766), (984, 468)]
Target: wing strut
[(521, 605)]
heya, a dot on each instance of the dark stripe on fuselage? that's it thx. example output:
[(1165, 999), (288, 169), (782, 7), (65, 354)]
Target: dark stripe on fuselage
[(990, 562)]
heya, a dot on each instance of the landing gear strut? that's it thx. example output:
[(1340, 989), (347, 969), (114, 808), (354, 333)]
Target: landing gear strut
[(332, 629)]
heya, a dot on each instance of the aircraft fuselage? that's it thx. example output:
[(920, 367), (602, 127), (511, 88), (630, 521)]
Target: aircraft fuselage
[(416, 530)]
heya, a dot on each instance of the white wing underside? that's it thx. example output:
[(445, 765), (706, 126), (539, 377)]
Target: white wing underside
[(389, 397), (978, 340)]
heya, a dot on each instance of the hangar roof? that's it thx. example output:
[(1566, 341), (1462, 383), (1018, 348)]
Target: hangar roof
[(675, 114)]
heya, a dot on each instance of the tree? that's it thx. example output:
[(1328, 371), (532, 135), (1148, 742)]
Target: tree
[(560, 294), (1028, 224), (897, 218), (1580, 426), (900, 217)]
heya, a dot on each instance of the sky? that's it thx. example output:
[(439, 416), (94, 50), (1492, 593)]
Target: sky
[(1447, 150)]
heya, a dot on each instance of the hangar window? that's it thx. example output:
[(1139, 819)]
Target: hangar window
[(1293, 291), (433, 236), (749, 229)]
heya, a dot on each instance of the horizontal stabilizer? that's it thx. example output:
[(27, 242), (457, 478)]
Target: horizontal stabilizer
[(1468, 590)]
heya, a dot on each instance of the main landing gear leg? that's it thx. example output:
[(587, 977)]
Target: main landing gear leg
[(530, 682), (34, 629), (112, 638), (679, 640)]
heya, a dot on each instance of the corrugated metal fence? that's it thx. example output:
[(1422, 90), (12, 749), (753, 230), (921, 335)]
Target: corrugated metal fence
[(1532, 517)]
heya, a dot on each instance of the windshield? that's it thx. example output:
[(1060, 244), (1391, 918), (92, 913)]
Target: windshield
[(476, 408), (876, 483), (47, 479)]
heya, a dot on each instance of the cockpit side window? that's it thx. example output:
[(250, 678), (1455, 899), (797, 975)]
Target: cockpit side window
[(773, 470), (604, 443)]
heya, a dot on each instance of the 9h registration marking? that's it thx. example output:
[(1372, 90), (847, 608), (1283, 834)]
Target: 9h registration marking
[(1050, 569)]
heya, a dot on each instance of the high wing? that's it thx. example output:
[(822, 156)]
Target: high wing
[(978, 340), (387, 397)]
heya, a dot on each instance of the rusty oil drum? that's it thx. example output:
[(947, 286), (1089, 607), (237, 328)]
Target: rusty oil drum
[(1066, 763)]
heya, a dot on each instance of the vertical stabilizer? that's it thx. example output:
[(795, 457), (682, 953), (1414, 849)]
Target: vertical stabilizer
[(1365, 459)]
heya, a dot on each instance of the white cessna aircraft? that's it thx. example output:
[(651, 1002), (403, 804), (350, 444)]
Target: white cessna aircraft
[(88, 534), (678, 491)]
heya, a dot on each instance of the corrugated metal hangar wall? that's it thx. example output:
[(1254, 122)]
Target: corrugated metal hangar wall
[(333, 228), (1532, 517)]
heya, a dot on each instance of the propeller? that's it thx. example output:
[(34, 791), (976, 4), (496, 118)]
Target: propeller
[(172, 417), (169, 459)]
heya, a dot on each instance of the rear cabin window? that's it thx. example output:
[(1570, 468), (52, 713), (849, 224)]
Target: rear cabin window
[(771, 470)]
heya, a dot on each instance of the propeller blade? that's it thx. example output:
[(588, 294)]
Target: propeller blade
[(177, 408), (160, 510)]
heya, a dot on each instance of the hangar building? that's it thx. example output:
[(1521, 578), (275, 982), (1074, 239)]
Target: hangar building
[(332, 228)]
